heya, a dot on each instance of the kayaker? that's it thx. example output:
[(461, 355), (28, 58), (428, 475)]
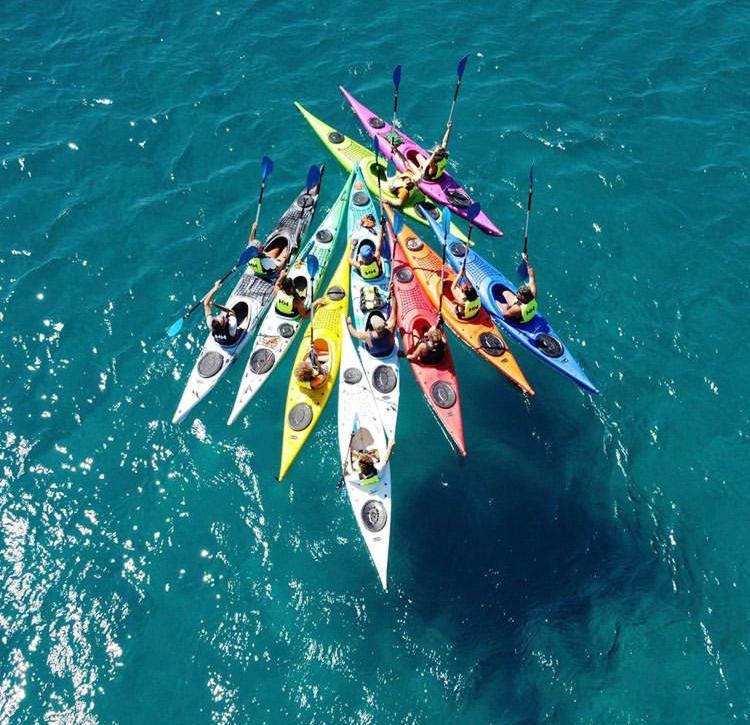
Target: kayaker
[(467, 302), (379, 340), (224, 325), (430, 349), (364, 464), (290, 296), (431, 168), (522, 305), (405, 189), (269, 260), (312, 371), (366, 259)]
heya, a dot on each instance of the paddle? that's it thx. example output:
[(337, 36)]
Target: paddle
[(446, 222), (460, 73), (312, 269), (396, 84), (266, 166), (523, 270), (471, 214), (248, 254)]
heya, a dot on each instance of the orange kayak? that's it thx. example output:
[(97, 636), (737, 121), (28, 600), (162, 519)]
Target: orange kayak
[(480, 333)]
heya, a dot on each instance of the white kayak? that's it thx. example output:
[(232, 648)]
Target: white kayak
[(370, 297), (277, 331), (250, 299), (360, 429)]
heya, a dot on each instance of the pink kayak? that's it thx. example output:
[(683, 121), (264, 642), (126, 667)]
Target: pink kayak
[(445, 190)]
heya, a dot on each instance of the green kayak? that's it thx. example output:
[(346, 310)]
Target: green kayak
[(349, 154)]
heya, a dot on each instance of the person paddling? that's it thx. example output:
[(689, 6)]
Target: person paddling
[(405, 189), (380, 338), (430, 349), (367, 464), (467, 302), (522, 305), (312, 371), (224, 325), (290, 296), (365, 257)]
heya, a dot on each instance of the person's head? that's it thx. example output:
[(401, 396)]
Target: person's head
[(300, 286), (304, 371), (366, 463), (433, 337), (524, 294), (368, 221), (468, 290), (287, 286), (366, 253), (219, 323), (378, 325), (441, 153), (408, 183)]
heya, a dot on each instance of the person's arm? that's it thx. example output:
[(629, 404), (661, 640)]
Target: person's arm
[(253, 230), (510, 311), (319, 302), (391, 321), (532, 276), (281, 278), (208, 300), (353, 258), (401, 196), (379, 242), (457, 292), (447, 135), (416, 353), (388, 451), (355, 333)]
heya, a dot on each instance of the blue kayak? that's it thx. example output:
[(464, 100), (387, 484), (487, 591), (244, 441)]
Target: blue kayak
[(535, 335)]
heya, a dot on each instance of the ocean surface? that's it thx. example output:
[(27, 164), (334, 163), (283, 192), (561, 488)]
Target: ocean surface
[(587, 563)]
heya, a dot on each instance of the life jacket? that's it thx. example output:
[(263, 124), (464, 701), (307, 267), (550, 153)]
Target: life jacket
[(370, 270), (256, 264), (471, 308), (370, 480), (434, 355), (223, 337), (528, 310), (379, 345), (285, 304), (400, 183), (440, 167), (370, 299)]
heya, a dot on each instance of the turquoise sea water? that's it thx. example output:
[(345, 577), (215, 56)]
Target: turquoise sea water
[(586, 563)]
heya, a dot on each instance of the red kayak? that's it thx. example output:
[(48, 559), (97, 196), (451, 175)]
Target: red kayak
[(414, 315), (445, 190)]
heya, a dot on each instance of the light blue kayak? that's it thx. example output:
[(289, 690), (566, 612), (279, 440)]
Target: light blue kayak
[(536, 335)]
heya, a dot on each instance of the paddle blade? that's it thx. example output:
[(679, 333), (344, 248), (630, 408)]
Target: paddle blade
[(473, 211), (398, 223), (266, 167), (312, 265), (247, 254), (462, 67), (175, 327), (522, 271), (376, 148), (397, 77), (445, 221), (313, 177)]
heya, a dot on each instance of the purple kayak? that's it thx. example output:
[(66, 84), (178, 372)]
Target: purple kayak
[(445, 190)]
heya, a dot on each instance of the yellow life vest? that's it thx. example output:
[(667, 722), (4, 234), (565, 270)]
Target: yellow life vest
[(370, 271), (370, 480), (528, 310), (471, 308), (285, 304)]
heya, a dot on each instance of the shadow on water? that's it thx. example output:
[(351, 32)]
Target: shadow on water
[(523, 568)]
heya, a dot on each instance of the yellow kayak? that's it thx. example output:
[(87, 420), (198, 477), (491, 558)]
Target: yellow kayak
[(305, 401)]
